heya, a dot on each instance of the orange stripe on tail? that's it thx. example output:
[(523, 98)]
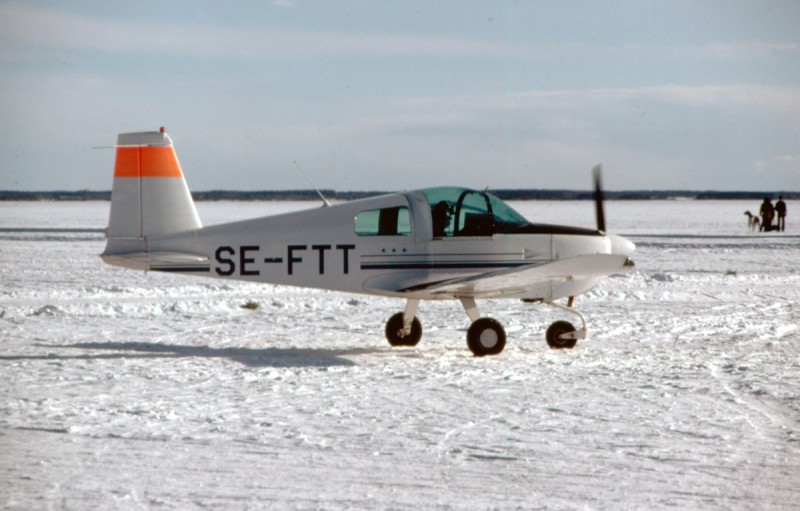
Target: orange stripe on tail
[(139, 162)]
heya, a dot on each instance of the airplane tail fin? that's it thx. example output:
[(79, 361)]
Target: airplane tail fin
[(149, 196)]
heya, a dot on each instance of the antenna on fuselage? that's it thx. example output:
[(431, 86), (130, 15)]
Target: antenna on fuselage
[(324, 200)]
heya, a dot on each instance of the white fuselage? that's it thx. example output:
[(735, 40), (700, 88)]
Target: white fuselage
[(321, 248)]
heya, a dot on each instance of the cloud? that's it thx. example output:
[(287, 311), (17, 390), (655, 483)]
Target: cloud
[(25, 28), (783, 164), (758, 99), (743, 95), (29, 26), (747, 50)]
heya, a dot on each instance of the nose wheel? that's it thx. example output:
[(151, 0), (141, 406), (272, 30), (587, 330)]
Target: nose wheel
[(563, 334), (558, 335)]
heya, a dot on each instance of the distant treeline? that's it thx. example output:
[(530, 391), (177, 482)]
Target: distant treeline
[(311, 195)]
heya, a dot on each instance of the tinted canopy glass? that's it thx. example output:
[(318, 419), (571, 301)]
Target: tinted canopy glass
[(464, 212)]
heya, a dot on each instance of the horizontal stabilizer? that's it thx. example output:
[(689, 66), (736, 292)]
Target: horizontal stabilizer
[(160, 261)]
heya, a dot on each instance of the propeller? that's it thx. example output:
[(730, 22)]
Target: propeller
[(597, 172)]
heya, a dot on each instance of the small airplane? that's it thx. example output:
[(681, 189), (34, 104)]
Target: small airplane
[(431, 244)]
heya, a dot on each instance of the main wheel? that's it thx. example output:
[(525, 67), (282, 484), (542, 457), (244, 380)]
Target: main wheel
[(486, 336), (394, 331), (555, 335)]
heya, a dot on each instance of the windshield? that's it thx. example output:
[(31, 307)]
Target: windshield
[(464, 212)]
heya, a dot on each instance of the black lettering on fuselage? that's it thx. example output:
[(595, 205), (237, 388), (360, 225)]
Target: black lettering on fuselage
[(248, 259), (292, 259), (231, 266), (244, 260), (321, 249), (345, 252)]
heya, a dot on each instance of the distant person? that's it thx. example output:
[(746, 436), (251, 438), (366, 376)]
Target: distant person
[(752, 221), (767, 214), (780, 211)]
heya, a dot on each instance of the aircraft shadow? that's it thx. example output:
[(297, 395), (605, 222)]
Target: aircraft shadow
[(264, 357)]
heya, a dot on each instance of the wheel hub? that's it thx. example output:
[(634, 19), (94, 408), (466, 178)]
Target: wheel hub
[(488, 338)]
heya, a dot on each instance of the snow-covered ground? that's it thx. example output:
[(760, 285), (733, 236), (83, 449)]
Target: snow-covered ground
[(123, 390)]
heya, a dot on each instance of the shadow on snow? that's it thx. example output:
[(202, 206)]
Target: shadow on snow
[(266, 357)]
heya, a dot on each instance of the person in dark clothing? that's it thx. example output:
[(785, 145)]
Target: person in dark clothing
[(780, 212), (767, 214), (441, 214)]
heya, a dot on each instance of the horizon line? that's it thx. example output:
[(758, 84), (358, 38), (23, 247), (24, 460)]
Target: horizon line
[(303, 194)]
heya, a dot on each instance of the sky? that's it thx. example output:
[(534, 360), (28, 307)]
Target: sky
[(369, 95)]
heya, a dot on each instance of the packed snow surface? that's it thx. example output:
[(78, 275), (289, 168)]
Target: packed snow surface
[(124, 390)]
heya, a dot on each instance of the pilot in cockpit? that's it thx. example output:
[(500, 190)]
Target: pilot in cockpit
[(441, 213)]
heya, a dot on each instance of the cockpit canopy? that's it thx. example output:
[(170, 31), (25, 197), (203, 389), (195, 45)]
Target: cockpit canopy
[(464, 212)]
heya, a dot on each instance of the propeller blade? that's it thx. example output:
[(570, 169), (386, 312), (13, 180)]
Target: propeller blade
[(597, 172)]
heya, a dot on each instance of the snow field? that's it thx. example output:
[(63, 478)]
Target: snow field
[(129, 391)]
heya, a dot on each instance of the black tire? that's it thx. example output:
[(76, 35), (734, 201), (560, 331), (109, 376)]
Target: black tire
[(394, 329), (555, 332), (486, 336)]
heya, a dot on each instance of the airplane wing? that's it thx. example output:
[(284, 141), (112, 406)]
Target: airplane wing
[(514, 280)]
